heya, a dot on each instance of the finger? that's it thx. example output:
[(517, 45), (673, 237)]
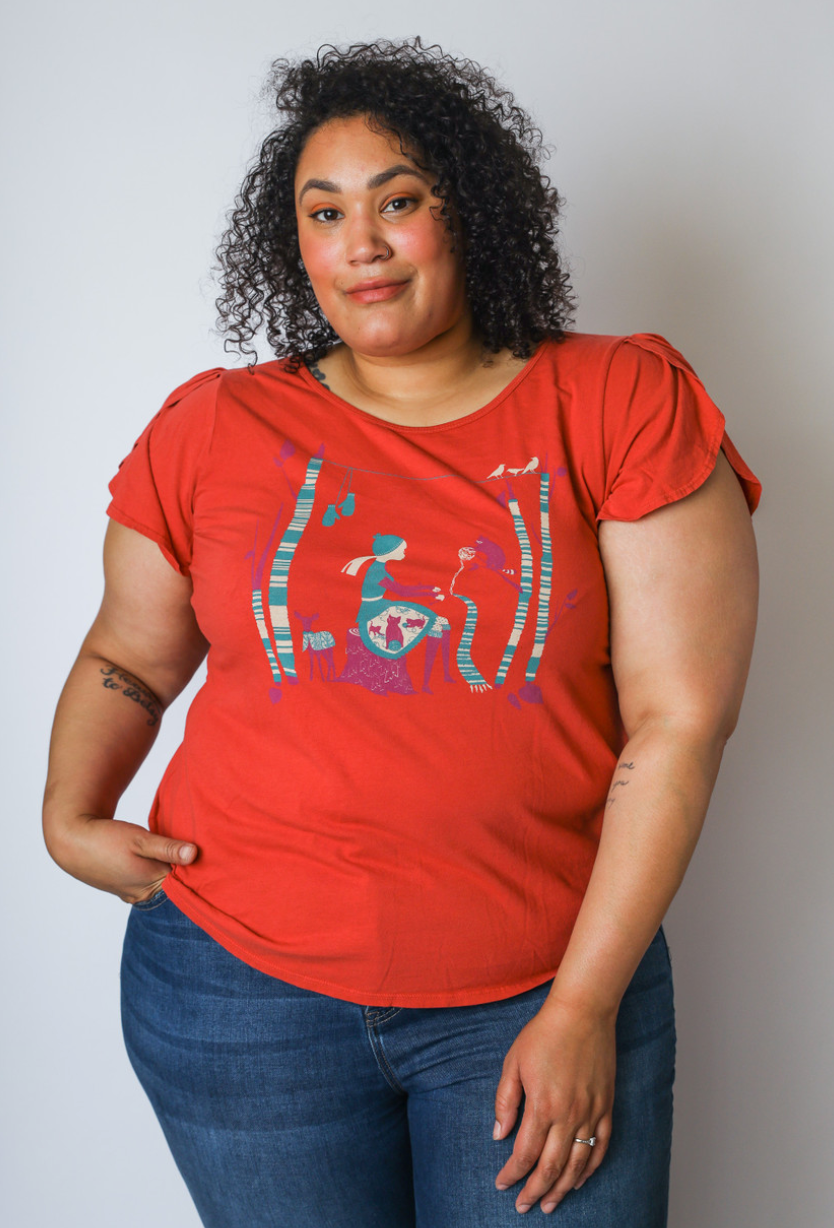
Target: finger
[(165, 849), (603, 1137), (571, 1172), (507, 1099), (581, 1162), (547, 1171), (528, 1146)]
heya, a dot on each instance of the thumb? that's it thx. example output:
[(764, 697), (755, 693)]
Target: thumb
[(507, 1099), (164, 848)]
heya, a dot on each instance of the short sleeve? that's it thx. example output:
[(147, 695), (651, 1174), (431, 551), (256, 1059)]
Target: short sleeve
[(153, 490), (661, 431)]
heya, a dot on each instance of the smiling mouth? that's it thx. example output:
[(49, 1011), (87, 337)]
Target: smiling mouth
[(374, 294)]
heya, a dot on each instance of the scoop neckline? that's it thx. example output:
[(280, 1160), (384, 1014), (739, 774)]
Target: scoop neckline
[(453, 424)]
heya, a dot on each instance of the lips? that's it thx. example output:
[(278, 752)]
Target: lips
[(372, 292)]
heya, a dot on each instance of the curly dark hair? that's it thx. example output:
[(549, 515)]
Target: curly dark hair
[(479, 145)]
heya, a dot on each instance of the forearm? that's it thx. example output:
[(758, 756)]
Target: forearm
[(655, 810), (105, 724)]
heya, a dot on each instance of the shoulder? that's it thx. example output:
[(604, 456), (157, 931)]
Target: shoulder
[(576, 352), (206, 386), (608, 376), (193, 405), (196, 391)]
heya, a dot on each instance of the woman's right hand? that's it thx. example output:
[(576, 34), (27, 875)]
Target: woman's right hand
[(123, 858)]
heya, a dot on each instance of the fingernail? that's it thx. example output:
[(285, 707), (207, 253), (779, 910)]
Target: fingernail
[(524, 1206), (496, 1130), (186, 852), (551, 1206), (500, 1186)]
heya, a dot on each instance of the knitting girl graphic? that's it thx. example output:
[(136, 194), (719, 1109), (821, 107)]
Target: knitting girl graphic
[(390, 628)]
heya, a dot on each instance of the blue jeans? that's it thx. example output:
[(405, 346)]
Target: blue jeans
[(285, 1107)]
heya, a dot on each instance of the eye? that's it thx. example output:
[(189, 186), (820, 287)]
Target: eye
[(326, 210), (397, 199)]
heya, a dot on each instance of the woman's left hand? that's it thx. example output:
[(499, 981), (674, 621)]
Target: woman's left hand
[(564, 1061)]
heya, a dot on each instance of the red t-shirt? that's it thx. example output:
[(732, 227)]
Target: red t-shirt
[(397, 767)]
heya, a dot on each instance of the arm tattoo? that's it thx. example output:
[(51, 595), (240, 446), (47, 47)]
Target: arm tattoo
[(116, 679), (619, 784)]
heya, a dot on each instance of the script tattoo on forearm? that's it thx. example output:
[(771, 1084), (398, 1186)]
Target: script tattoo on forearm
[(116, 680), (619, 784)]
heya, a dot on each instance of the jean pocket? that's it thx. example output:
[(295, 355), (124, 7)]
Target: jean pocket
[(153, 901)]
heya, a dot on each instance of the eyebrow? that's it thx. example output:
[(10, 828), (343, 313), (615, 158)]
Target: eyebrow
[(375, 181)]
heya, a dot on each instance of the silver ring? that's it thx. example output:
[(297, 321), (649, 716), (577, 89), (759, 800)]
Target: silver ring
[(590, 1142)]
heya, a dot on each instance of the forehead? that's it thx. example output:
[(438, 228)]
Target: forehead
[(348, 141)]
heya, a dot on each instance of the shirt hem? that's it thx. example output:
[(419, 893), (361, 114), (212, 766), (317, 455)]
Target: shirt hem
[(130, 522), (662, 498), (188, 902)]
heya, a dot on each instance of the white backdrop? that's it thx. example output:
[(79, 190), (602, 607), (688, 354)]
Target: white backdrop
[(693, 143)]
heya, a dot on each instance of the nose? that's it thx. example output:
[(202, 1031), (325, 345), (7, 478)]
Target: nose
[(364, 242)]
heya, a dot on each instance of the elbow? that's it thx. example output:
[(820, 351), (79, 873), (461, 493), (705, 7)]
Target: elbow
[(708, 727), (697, 707)]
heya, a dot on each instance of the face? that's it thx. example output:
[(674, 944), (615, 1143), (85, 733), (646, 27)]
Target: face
[(359, 198)]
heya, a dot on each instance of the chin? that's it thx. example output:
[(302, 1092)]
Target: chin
[(391, 340), (383, 342)]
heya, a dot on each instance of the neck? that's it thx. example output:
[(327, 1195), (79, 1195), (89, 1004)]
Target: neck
[(428, 375)]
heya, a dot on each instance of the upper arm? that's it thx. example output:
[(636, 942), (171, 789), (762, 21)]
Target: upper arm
[(683, 591), (146, 623)]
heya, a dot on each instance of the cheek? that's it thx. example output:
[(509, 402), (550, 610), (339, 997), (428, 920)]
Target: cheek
[(317, 257), (427, 245)]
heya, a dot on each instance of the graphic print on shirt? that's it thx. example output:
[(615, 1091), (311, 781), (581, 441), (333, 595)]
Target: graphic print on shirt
[(319, 644), (393, 618), (387, 628), (257, 573)]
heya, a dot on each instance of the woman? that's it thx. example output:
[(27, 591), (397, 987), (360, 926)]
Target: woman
[(370, 921), (386, 630), (390, 629)]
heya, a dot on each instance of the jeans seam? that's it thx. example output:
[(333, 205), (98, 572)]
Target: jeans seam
[(392, 1011), (151, 903), (382, 1059)]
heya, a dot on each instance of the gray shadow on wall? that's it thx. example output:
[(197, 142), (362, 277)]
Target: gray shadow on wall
[(726, 283)]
